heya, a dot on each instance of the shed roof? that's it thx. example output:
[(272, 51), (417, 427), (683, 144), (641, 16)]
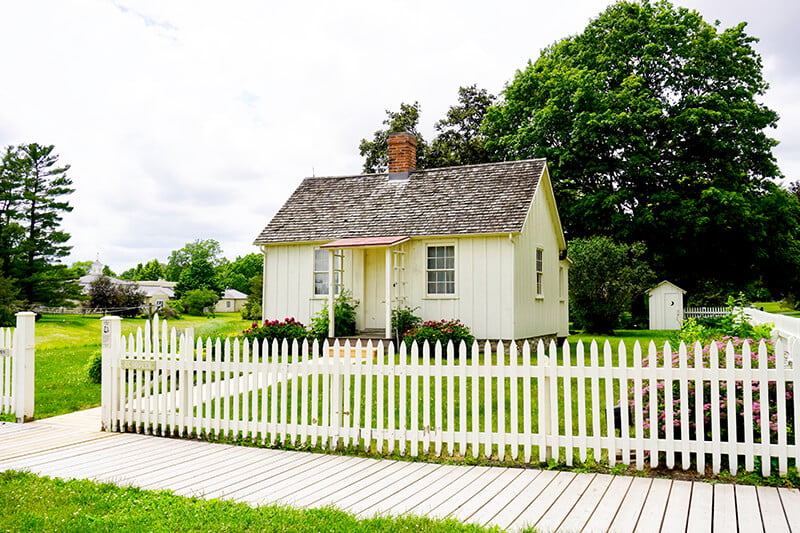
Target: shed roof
[(474, 199)]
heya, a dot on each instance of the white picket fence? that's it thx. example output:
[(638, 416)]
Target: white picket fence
[(786, 328), (514, 403), (704, 312), (17, 346)]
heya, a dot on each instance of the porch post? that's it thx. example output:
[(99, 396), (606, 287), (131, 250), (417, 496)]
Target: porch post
[(388, 334), (331, 294)]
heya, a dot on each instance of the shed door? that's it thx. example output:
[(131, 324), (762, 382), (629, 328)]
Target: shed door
[(374, 288), (673, 304)]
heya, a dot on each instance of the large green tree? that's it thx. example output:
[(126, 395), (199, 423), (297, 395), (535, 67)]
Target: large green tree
[(651, 123), (459, 140), (238, 274), (31, 207)]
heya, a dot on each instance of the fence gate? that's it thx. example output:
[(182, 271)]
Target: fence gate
[(17, 351)]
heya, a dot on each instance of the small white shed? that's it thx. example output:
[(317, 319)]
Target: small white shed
[(666, 306)]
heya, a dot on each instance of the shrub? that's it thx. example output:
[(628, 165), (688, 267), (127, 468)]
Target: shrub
[(344, 318), (251, 311), (442, 331), (196, 301), (734, 324), (171, 309), (94, 369), (403, 320), (270, 330)]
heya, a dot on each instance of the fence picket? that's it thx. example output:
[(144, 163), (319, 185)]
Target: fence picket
[(608, 377)]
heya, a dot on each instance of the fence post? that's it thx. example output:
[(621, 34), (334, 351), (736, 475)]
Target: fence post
[(112, 337), (24, 364)]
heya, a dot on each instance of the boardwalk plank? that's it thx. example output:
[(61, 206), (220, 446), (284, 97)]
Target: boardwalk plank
[(724, 519), (565, 503), (127, 456), (176, 472), (524, 499), (202, 467), (472, 505), (345, 488), (321, 474), (676, 513), (499, 501), (653, 509), (700, 508), (538, 507), (790, 499), (328, 489), (772, 516), (609, 504), (432, 504), (351, 501), (414, 496), (263, 491), (630, 510), (244, 486), (585, 507), (389, 492), (747, 511), (450, 506), (52, 456)]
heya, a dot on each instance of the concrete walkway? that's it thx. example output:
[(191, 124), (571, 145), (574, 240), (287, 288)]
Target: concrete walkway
[(71, 446)]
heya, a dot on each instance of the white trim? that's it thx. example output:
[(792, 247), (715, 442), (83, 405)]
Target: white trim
[(441, 296)]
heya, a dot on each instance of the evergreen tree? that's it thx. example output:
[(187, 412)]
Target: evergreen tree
[(31, 207)]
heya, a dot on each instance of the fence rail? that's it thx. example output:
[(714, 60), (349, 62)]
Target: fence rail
[(516, 402), (17, 367)]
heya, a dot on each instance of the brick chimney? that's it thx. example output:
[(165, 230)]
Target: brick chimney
[(402, 155)]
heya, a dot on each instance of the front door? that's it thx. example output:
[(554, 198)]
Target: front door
[(374, 288)]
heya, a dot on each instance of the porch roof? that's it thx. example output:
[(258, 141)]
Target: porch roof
[(365, 242)]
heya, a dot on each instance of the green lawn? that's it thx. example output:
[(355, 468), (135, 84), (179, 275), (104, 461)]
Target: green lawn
[(33, 503), (65, 343), (778, 308)]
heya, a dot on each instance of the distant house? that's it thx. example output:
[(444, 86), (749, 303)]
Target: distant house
[(232, 301), (481, 243), (157, 293)]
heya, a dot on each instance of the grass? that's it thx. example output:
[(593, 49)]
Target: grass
[(65, 343), (32, 503), (777, 308)]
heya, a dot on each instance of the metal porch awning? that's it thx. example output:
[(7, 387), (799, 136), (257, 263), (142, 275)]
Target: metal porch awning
[(366, 242)]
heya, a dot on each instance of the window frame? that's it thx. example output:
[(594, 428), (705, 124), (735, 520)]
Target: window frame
[(337, 273), (539, 269), (428, 270)]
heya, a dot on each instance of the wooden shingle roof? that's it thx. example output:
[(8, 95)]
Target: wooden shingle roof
[(474, 199)]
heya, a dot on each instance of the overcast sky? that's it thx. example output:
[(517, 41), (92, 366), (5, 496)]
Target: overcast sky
[(187, 120)]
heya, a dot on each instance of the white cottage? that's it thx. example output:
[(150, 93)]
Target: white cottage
[(481, 243)]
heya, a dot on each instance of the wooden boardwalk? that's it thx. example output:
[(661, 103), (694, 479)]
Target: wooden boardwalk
[(71, 446)]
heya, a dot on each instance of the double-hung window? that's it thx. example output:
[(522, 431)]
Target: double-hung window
[(539, 272), (322, 273), (441, 270)]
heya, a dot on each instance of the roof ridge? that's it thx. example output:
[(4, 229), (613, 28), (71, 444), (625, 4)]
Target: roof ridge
[(433, 169)]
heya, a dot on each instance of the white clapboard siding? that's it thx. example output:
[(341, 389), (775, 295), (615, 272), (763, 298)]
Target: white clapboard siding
[(514, 402)]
